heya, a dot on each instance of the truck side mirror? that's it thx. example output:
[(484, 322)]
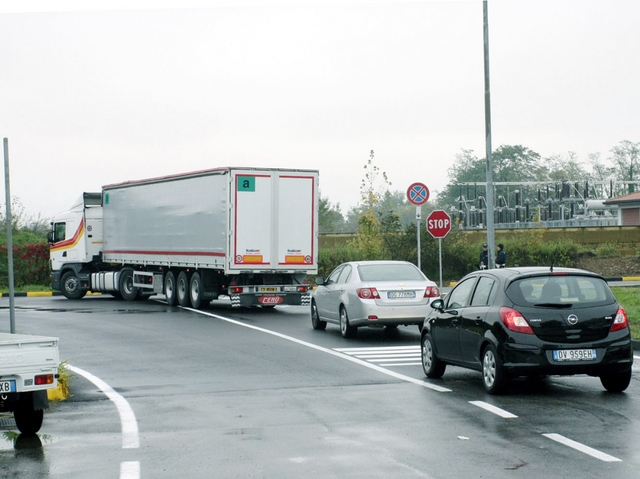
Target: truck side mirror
[(50, 237)]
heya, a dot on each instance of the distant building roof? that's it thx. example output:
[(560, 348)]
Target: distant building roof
[(625, 200)]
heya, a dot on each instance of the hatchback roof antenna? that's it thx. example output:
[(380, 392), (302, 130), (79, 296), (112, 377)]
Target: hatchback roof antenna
[(551, 270)]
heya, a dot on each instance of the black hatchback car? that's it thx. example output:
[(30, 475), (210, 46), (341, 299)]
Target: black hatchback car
[(529, 321)]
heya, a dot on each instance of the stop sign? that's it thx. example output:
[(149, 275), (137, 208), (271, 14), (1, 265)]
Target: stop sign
[(438, 223)]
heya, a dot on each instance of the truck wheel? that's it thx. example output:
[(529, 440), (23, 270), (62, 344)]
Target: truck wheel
[(128, 291), (195, 290), (28, 420), (170, 288), (182, 290), (71, 286)]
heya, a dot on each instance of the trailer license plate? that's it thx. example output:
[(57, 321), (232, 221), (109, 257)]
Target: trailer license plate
[(270, 290), (7, 386), (574, 355), (401, 294)]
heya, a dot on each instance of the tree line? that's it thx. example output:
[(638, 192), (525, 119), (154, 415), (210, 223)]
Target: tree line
[(511, 163)]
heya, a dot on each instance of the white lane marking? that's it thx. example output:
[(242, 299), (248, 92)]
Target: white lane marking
[(130, 438), (388, 372), (495, 410), (130, 470), (582, 448), (377, 349), (387, 356)]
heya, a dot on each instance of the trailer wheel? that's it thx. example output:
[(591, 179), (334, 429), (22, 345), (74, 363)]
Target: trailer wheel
[(170, 288), (182, 290), (71, 286), (28, 419), (128, 291), (196, 290)]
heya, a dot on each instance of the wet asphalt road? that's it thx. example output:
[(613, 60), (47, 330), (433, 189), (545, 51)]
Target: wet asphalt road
[(252, 393)]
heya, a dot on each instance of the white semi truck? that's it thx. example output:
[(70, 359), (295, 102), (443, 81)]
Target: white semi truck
[(28, 367), (250, 234)]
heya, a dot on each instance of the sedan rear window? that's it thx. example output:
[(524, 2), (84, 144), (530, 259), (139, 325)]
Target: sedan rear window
[(390, 272), (569, 290)]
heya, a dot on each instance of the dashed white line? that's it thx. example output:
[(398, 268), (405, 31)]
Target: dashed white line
[(582, 448), (495, 410), (130, 470)]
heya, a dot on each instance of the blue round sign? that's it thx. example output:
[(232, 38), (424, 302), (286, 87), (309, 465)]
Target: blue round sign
[(418, 194)]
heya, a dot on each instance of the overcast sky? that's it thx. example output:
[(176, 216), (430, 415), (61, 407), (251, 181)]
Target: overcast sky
[(143, 89)]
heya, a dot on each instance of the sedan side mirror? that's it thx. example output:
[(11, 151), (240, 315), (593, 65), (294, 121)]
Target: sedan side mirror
[(319, 281)]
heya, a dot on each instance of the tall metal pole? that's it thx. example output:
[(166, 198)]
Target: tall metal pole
[(487, 122), (440, 256), (418, 219), (7, 190)]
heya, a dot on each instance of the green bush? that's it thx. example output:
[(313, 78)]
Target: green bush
[(30, 265)]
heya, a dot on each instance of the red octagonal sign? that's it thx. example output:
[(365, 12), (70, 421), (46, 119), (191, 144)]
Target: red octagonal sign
[(438, 223)]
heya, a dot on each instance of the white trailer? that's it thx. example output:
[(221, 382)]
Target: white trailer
[(28, 367), (251, 234)]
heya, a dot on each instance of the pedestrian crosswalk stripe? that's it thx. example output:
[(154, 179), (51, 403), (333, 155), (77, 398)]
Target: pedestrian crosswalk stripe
[(386, 356)]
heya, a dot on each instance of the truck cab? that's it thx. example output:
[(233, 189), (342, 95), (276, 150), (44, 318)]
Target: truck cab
[(75, 243)]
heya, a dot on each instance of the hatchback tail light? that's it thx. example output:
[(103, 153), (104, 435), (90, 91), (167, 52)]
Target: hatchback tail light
[(368, 293), (621, 321), (514, 321), (432, 292)]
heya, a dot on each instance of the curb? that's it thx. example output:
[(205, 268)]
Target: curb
[(33, 294), (623, 278)]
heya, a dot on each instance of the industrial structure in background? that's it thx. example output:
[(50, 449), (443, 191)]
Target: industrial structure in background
[(559, 204)]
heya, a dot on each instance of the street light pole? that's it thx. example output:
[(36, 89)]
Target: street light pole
[(487, 118)]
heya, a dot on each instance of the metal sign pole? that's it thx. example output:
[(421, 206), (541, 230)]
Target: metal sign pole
[(12, 312), (440, 254), (418, 218)]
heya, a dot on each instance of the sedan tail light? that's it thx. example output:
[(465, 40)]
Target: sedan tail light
[(621, 321), (368, 293), (432, 292), (514, 321)]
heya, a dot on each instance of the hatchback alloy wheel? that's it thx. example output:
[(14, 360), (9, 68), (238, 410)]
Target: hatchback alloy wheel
[(493, 376), (431, 364)]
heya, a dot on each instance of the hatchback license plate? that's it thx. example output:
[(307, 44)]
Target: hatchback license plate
[(7, 386), (401, 294), (574, 355)]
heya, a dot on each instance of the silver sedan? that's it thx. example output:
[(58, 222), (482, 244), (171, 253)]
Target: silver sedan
[(372, 293)]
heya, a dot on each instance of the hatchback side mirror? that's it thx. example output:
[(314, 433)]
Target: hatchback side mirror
[(319, 281), (438, 304)]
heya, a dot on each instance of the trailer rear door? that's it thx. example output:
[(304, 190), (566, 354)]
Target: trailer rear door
[(274, 218)]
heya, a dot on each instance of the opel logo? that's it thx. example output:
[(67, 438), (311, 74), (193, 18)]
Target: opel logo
[(572, 319)]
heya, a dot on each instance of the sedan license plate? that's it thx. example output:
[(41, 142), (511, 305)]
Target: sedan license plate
[(7, 386), (574, 355), (401, 294)]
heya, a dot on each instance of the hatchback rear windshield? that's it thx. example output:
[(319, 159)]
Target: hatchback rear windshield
[(389, 272), (570, 290)]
